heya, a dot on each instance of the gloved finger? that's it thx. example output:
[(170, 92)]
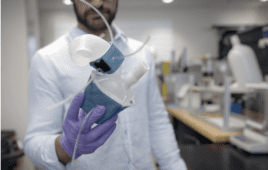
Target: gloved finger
[(73, 110), (99, 130), (90, 147), (95, 115), (82, 114), (102, 139)]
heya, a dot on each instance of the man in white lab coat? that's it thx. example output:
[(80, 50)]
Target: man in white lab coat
[(53, 77)]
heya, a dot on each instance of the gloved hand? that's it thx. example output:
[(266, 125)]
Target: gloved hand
[(90, 139)]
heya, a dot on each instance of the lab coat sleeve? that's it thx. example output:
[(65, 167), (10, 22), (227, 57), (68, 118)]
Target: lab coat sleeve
[(162, 138), (43, 126)]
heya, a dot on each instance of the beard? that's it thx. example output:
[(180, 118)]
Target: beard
[(91, 27)]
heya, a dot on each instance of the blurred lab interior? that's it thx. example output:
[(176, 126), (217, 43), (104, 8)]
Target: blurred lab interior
[(211, 61)]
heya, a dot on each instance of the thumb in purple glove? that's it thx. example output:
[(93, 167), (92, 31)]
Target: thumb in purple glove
[(90, 139)]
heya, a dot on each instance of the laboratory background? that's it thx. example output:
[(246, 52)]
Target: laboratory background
[(211, 61)]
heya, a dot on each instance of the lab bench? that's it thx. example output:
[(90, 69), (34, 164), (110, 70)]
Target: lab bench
[(210, 149), (197, 128)]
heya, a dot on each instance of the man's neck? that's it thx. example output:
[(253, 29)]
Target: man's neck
[(104, 34)]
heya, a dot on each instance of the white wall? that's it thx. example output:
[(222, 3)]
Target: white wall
[(169, 28), (160, 31), (14, 70), (192, 27)]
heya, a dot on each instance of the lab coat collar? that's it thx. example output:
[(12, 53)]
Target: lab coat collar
[(119, 34), (76, 32)]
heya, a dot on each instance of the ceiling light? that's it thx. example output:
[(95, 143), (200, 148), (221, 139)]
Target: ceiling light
[(167, 1), (67, 2), (264, 0)]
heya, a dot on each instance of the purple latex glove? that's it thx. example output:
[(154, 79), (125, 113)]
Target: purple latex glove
[(90, 139)]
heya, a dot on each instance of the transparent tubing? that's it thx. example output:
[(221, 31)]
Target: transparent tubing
[(69, 98), (124, 145), (78, 136), (62, 102), (141, 47)]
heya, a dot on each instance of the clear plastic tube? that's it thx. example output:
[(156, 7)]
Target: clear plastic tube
[(69, 98), (78, 136), (124, 145), (62, 102), (141, 47)]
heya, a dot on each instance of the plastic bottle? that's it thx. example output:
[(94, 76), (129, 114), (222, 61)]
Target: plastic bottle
[(243, 63)]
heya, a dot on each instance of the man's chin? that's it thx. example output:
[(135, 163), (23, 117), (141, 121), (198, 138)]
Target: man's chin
[(96, 28), (100, 27), (95, 25)]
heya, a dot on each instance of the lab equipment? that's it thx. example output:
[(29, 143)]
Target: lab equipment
[(254, 138), (216, 100), (236, 108), (90, 139), (207, 67), (227, 102), (182, 85), (208, 100), (223, 119), (106, 87), (264, 41), (193, 93), (179, 62), (245, 68), (112, 91), (244, 65), (96, 51)]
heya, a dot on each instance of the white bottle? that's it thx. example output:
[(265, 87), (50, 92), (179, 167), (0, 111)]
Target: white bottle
[(244, 64)]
